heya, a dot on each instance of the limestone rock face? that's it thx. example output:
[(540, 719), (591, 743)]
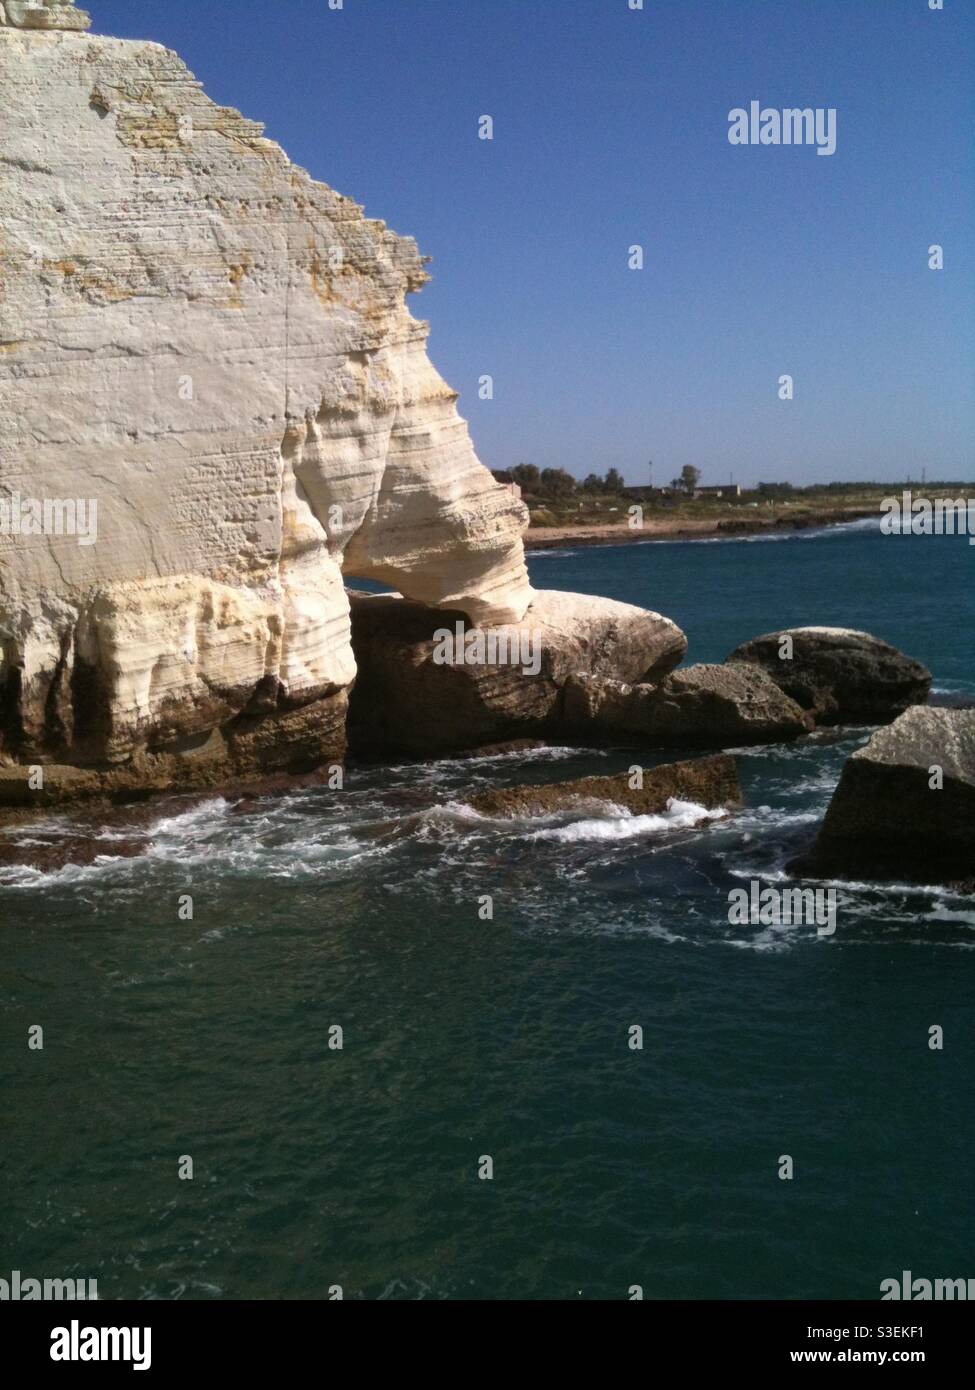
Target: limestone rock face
[(601, 707), (887, 820), (407, 699), (709, 705), (839, 674), (210, 354), (43, 14), (251, 753)]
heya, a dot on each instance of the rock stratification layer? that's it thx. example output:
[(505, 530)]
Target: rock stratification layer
[(208, 355)]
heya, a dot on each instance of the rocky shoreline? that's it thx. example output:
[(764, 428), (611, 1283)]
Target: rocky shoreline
[(904, 809), (662, 528), (246, 405)]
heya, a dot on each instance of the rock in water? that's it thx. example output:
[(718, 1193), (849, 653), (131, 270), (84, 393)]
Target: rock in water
[(708, 705), (214, 404), (499, 682), (894, 815), (708, 783), (837, 674)]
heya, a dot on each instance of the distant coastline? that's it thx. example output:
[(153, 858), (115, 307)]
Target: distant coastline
[(688, 528)]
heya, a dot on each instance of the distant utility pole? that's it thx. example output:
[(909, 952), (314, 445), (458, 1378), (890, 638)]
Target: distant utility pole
[(650, 467)]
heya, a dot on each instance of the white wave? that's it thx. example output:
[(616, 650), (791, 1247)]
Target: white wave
[(747, 539), (48, 825), (863, 523), (836, 736), (441, 769), (457, 811), (850, 885), (202, 816), (771, 939), (458, 815), (773, 818), (785, 533), (67, 875), (679, 815), (555, 752), (879, 886), (941, 912)]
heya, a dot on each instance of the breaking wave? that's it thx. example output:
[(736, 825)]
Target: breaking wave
[(621, 825)]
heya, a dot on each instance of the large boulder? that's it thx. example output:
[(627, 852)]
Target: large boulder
[(707, 705), (214, 405), (701, 784), (837, 674), (904, 808), (408, 698)]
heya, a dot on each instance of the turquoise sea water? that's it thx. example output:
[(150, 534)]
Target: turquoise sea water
[(462, 1037)]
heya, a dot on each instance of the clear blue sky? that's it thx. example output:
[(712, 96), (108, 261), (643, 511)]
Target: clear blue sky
[(611, 129)]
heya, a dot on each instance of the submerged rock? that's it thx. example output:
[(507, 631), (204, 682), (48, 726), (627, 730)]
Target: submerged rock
[(904, 809), (707, 705), (838, 674), (709, 783), (499, 683)]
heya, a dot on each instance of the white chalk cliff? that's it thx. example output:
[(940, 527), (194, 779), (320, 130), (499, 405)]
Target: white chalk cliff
[(215, 349)]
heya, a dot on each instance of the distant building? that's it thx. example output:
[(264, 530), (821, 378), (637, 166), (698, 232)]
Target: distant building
[(514, 489), (719, 490)]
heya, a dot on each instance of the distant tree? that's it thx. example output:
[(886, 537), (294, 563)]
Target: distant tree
[(592, 483), (675, 484), (556, 482), (527, 476), (689, 477), (503, 475), (613, 481)]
